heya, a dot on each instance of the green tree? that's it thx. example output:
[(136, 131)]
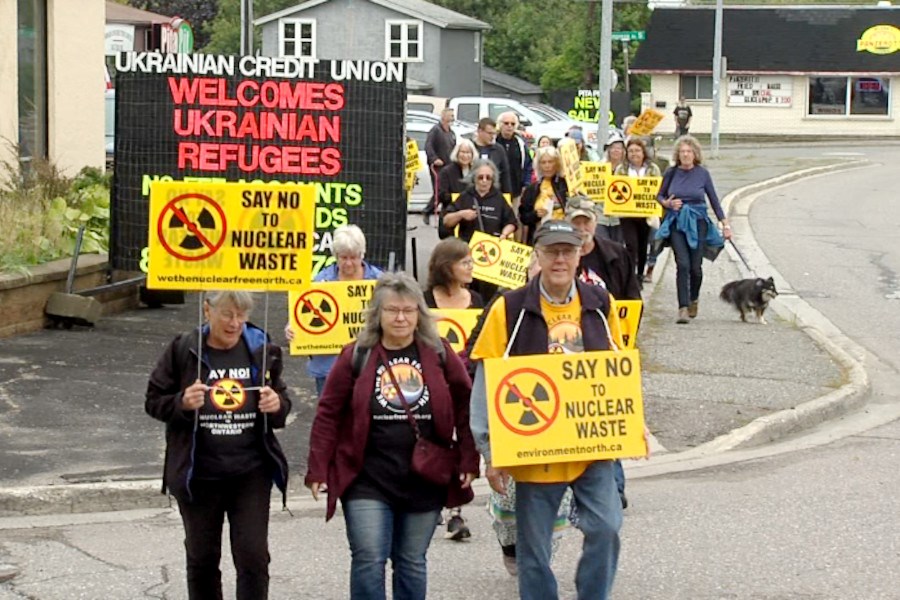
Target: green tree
[(224, 32)]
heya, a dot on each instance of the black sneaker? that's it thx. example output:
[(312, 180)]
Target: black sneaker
[(457, 530), (624, 500)]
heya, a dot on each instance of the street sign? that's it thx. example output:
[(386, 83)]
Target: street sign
[(629, 36)]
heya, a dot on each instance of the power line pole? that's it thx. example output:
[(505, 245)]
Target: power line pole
[(606, 18), (717, 79), (246, 27)]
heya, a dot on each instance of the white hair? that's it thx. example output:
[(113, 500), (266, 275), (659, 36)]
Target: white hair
[(348, 239)]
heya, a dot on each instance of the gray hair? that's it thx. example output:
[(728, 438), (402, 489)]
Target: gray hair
[(691, 142), (243, 301), (403, 285), (348, 239), (469, 179), (463, 143)]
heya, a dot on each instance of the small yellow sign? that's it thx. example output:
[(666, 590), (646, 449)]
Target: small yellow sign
[(646, 123), (595, 176), (326, 316), (571, 164), (881, 39), (501, 262), (456, 325), (555, 408), (230, 236), (629, 313), (413, 163), (632, 196)]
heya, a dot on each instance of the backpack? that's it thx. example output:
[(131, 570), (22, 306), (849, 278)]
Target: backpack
[(361, 357)]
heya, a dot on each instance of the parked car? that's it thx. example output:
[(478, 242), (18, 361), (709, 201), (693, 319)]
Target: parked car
[(432, 104), (536, 122), (422, 190), (460, 128)]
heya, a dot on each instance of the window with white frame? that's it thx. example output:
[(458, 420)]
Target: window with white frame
[(849, 96), (297, 37), (403, 41), (696, 87)]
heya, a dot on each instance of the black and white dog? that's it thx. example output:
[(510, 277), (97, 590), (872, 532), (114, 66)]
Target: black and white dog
[(750, 294)]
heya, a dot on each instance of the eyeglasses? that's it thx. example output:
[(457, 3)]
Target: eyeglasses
[(554, 253), (485, 177), (467, 262), (228, 315), (490, 131), (395, 311), (508, 123)]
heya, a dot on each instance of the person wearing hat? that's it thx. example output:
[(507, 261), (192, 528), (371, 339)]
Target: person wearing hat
[(554, 312), (614, 154), (603, 262)]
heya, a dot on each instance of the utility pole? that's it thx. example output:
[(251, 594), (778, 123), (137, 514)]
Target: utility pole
[(246, 27), (606, 18), (717, 79)]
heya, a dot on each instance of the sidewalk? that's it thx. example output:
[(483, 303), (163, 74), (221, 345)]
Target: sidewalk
[(74, 436)]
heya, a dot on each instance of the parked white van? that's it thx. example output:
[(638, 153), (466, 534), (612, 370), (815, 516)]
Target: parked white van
[(537, 119)]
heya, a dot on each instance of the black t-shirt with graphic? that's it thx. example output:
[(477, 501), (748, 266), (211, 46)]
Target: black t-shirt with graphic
[(386, 474), (227, 441), (496, 213)]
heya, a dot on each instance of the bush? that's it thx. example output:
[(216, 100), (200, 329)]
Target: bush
[(41, 210)]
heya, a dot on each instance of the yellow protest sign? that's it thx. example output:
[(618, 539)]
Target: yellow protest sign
[(595, 175), (565, 407), (456, 325), (326, 316), (501, 262), (235, 236), (571, 164), (646, 123), (629, 312), (413, 163), (632, 196)]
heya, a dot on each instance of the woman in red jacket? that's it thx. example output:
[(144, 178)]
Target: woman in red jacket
[(362, 439)]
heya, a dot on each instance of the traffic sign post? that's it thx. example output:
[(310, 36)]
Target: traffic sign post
[(629, 36)]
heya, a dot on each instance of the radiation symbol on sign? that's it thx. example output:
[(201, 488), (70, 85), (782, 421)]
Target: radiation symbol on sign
[(486, 252), (619, 192), (527, 401), (191, 227), (453, 332), (227, 395), (316, 312)]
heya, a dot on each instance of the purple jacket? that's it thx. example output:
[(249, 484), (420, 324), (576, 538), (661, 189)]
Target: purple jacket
[(340, 430)]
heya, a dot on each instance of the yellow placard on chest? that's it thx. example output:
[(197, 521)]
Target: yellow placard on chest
[(230, 236), (632, 197), (456, 324), (327, 316), (501, 262), (555, 408)]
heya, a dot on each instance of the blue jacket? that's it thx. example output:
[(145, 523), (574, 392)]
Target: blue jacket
[(320, 364), (685, 221)]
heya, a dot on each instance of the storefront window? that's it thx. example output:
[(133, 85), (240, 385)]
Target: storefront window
[(32, 84), (696, 87), (849, 96), (869, 95)]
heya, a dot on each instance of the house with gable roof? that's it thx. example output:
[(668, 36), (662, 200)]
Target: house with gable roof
[(442, 48)]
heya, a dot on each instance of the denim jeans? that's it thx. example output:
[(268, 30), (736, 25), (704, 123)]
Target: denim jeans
[(599, 512), (245, 499), (688, 264), (320, 385), (619, 473), (377, 532)]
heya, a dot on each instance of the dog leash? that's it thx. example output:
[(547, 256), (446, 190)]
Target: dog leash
[(741, 256)]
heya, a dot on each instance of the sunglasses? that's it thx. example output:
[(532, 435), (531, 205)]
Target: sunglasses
[(485, 178)]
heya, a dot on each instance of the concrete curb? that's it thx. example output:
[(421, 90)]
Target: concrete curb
[(790, 307)]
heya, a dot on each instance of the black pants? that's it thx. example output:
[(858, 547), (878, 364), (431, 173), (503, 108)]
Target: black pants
[(245, 499), (688, 264), (637, 236)]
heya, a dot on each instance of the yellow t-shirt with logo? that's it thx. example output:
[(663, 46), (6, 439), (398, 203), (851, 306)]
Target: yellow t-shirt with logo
[(564, 337)]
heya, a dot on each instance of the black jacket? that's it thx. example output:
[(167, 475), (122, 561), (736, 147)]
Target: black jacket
[(614, 264), (175, 371), (529, 197), (439, 144), (450, 181), (495, 213)]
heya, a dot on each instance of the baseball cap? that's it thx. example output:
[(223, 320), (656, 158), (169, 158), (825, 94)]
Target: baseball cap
[(576, 135), (557, 232), (614, 137), (580, 206)]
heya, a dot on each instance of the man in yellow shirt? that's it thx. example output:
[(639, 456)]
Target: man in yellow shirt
[(553, 313)]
